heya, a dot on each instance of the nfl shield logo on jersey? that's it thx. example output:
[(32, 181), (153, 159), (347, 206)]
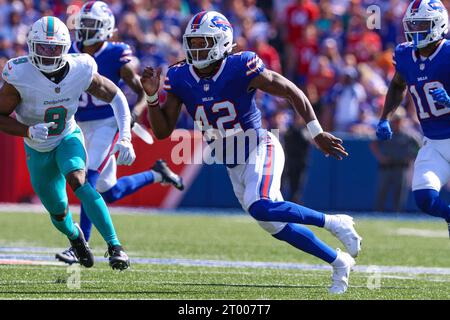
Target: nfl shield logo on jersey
[(58, 89), (206, 87)]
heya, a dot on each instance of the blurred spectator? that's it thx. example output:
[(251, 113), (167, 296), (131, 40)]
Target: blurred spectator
[(298, 16), (394, 158), (312, 42), (345, 101)]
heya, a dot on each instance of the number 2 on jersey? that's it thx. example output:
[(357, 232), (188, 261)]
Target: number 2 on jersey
[(202, 121), (430, 101), (58, 116)]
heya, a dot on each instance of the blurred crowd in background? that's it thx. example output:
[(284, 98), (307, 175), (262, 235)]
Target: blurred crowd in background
[(326, 48)]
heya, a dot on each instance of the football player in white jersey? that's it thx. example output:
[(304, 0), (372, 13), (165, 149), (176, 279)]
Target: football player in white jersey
[(43, 89), (94, 25)]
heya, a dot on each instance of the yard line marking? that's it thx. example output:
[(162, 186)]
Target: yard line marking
[(6, 258)]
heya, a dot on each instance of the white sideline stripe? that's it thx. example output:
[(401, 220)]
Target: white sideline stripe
[(25, 258), (421, 233)]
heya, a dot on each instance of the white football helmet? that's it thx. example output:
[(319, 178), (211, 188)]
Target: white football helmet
[(94, 23), (48, 44), (217, 33), (425, 22)]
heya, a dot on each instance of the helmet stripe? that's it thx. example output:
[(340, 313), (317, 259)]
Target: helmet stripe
[(198, 19), (88, 6), (50, 27), (416, 5)]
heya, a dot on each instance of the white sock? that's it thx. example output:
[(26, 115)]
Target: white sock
[(338, 262), (157, 176), (329, 221)]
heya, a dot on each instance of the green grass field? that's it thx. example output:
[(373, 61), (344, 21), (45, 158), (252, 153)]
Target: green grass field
[(420, 247)]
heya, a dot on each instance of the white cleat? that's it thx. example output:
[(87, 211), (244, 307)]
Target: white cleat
[(341, 272), (343, 229)]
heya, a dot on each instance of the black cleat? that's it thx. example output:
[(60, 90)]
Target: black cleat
[(448, 229), (68, 256), (118, 259), (81, 249), (168, 176)]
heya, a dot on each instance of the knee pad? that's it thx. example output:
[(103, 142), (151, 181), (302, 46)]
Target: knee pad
[(426, 199), (260, 209)]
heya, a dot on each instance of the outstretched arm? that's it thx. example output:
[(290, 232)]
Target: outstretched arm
[(394, 96), (104, 89), (277, 85), (162, 118)]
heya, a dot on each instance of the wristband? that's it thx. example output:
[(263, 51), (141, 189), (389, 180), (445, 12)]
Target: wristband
[(314, 128), (152, 100)]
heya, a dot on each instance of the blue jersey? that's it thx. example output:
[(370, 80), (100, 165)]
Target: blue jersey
[(222, 101), (423, 75), (110, 59)]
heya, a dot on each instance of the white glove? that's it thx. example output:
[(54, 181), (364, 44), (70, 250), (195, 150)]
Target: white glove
[(39, 132), (126, 152)]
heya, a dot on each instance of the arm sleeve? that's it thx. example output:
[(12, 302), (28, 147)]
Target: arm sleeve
[(119, 104)]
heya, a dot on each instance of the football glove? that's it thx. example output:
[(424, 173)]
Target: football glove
[(384, 131), (126, 152), (39, 132), (440, 96)]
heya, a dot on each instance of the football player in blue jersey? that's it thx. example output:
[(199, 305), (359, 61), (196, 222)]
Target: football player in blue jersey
[(93, 26), (423, 68), (218, 87)]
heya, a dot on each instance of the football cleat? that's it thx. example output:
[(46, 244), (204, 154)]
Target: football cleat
[(343, 229), (341, 274), (67, 256), (118, 259), (168, 176), (81, 249)]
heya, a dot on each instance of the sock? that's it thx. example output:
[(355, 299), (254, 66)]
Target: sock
[(428, 201), (304, 239), (129, 184), (329, 221), (285, 211), (85, 223), (97, 212), (339, 262), (66, 226)]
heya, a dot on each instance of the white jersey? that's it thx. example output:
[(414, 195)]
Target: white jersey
[(45, 101)]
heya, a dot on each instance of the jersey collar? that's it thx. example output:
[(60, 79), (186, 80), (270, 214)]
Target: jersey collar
[(416, 56)]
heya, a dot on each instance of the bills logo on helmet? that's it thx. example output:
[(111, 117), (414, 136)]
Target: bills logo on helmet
[(436, 5), (220, 23)]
